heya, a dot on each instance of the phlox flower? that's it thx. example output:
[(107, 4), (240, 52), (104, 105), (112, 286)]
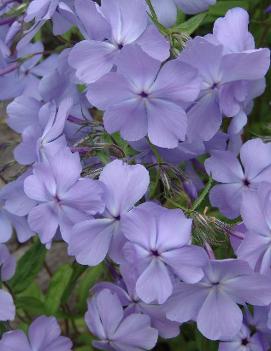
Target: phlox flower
[(115, 330)]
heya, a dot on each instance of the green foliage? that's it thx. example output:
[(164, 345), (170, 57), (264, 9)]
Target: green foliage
[(59, 282), (88, 279), (28, 267)]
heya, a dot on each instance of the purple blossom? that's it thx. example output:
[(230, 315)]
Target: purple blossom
[(92, 239), (225, 168), (159, 245), (226, 283), (256, 246), (228, 70), (44, 133), (63, 198), (146, 100), (115, 330), (14, 206), (120, 24), (126, 292), (242, 341), (43, 10), (44, 334)]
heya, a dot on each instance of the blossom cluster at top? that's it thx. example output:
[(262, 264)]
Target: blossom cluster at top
[(121, 79)]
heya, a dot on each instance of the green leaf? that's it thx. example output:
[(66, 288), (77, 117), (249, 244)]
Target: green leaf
[(88, 279), (78, 270), (191, 25), (33, 290), (31, 305), (28, 267), (221, 7), (57, 286)]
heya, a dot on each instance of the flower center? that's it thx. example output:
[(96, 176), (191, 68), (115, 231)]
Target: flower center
[(246, 182), (143, 94), (155, 253), (245, 342)]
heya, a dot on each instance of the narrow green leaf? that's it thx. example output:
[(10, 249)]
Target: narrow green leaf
[(28, 267), (57, 286), (88, 279), (30, 305), (191, 25), (78, 270)]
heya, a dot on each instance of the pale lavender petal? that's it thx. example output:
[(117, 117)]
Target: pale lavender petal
[(154, 284), (121, 197), (92, 23), (154, 43), (209, 320), (228, 198), (44, 334), (127, 20), (177, 82), (103, 302), (251, 65), (112, 89), (90, 241), (167, 123), (43, 220), (185, 303), (14, 340), (91, 60), (255, 157), (204, 118), (187, 262), (135, 333), (224, 167), (7, 310), (85, 195)]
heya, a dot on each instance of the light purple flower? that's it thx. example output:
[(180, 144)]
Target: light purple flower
[(14, 206), (63, 198), (43, 10), (92, 239), (20, 70), (44, 334), (256, 246), (194, 6), (225, 33), (115, 330), (120, 24), (142, 99), (226, 283), (225, 168), (226, 72), (243, 341), (126, 292), (44, 133), (159, 245)]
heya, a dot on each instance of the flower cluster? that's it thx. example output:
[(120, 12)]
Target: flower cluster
[(120, 129)]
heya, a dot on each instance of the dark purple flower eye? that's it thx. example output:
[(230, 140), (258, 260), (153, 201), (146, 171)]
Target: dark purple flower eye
[(144, 94)]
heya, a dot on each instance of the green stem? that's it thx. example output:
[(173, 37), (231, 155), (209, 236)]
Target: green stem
[(158, 173), (203, 195)]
